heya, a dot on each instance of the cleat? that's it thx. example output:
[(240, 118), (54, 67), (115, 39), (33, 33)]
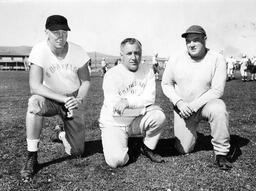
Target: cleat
[(151, 155), (30, 167), (222, 162)]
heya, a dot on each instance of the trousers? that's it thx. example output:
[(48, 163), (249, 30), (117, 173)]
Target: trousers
[(215, 113), (115, 138), (74, 127)]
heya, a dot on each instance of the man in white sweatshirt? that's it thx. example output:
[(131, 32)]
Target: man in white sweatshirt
[(128, 108), (59, 82), (194, 81)]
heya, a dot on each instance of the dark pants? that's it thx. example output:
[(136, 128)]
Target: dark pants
[(74, 127)]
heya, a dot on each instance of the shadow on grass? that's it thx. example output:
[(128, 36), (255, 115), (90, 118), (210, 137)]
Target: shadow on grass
[(236, 142), (165, 148), (91, 148)]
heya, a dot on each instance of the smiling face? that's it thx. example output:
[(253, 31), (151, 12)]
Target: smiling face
[(58, 38), (196, 45), (131, 56)]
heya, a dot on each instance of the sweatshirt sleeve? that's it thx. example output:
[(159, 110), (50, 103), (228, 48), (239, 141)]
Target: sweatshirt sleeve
[(168, 83), (110, 88), (148, 95), (217, 85)]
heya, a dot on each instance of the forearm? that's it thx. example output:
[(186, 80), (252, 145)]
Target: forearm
[(168, 84), (169, 91), (205, 98), (141, 101), (83, 90), (147, 97)]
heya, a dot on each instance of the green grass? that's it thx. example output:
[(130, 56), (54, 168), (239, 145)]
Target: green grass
[(181, 172)]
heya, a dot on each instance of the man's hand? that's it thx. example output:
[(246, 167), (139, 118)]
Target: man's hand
[(185, 110), (72, 102), (121, 106)]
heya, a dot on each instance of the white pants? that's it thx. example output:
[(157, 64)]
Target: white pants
[(244, 72), (230, 72), (216, 114), (115, 139)]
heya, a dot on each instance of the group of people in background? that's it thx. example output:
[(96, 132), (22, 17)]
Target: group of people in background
[(246, 65), (59, 81)]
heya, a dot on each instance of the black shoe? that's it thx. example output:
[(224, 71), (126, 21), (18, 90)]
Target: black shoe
[(55, 136), (150, 154), (30, 167), (222, 162)]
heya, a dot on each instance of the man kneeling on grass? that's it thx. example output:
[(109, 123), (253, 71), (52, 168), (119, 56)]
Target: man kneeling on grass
[(128, 108), (194, 81), (59, 81)]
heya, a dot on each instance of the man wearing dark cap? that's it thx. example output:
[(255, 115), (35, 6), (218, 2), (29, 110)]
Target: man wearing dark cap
[(194, 82), (59, 81)]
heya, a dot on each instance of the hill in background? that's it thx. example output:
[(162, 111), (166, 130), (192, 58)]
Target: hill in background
[(95, 56)]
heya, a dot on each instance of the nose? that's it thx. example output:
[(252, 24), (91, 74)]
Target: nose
[(133, 56), (192, 43)]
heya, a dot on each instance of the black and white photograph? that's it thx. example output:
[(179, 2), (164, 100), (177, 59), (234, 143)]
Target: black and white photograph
[(128, 95)]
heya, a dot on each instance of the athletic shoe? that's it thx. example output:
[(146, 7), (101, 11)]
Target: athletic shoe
[(30, 167), (55, 135), (150, 154), (222, 162)]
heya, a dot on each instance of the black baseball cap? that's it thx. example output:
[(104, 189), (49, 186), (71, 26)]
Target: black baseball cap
[(194, 29), (57, 22)]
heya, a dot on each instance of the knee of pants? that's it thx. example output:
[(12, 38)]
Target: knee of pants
[(115, 160), (216, 107), (77, 150), (158, 117), (186, 147), (34, 103)]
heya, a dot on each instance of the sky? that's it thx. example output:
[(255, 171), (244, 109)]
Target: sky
[(100, 25)]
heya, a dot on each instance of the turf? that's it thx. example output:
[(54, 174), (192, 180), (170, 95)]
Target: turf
[(181, 172)]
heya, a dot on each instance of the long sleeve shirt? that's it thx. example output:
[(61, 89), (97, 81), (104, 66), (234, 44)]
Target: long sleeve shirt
[(195, 82), (137, 87)]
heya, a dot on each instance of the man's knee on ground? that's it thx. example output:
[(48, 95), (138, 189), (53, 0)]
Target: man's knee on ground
[(184, 148), (78, 150), (115, 160)]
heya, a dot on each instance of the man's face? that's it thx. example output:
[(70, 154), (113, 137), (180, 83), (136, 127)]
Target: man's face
[(196, 45), (131, 56), (57, 38)]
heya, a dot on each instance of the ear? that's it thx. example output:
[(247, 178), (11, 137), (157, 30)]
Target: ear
[(121, 55)]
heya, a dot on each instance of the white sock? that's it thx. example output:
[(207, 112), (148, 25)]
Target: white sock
[(62, 137), (32, 145)]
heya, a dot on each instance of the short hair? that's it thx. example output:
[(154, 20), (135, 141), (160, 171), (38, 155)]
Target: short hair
[(131, 41)]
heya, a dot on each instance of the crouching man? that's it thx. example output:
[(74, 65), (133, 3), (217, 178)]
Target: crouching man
[(194, 82), (128, 108), (59, 81)]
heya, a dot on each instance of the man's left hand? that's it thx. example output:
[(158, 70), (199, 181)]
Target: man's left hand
[(73, 103), (121, 106)]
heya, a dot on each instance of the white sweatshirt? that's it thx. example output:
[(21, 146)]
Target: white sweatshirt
[(137, 87), (195, 82)]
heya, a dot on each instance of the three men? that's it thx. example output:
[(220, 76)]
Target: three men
[(194, 82), (59, 81), (129, 107)]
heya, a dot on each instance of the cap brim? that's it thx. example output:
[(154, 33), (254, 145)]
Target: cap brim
[(59, 27), (184, 35)]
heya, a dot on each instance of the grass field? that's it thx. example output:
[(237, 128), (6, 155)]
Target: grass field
[(181, 172)]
